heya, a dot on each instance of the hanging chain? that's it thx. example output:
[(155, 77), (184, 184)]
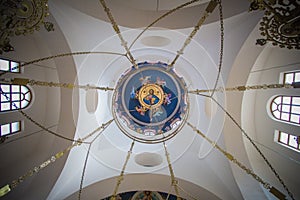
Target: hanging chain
[(188, 194), (161, 17), (83, 171), (88, 153), (174, 182), (44, 128), (256, 147), (22, 81), (221, 45), (36, 169), (121, 176), (244, 88), (230, 157), (60, 55), (117, 30), (209, 9), (33, 121), (7, 188)]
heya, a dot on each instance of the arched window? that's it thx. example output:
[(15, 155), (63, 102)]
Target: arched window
[(286, 108), (14, 97)]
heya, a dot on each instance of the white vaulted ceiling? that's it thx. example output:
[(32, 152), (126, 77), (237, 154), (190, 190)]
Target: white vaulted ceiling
[(201, 170)]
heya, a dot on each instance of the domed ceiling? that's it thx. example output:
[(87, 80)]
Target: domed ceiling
[(146, 111)]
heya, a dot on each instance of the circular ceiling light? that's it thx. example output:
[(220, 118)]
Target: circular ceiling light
[(150, 103)]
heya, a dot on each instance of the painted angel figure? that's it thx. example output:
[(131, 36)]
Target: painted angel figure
[(167, 100), (145, 80), (132, 93), (161, 82), (140, 110)]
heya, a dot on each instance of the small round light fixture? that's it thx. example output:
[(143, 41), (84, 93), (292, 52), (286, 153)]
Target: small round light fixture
[(150, 103)]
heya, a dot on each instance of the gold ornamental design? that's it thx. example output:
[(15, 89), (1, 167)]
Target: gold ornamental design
[(151, 96)]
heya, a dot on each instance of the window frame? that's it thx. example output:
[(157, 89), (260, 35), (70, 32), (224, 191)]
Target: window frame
[(294, 75), (292, 107), (11, 132), (277, 138), (10, 66), (9, 97)]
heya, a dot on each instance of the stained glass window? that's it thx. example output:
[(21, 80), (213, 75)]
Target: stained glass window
[(14, 97), (10, 128), (9, 66)]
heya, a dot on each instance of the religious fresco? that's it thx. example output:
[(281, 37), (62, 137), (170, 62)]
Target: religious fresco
[(144, 195), (151, 100)]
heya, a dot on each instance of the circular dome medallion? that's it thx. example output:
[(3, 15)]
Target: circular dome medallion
[(150, 103)]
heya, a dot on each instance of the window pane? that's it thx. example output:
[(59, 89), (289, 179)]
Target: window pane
[(4, 65), (24, 89), (296, 100), (5, 129), (16, 105), (14, 67), (15, 127), (24, 104), (5, 106), (293, 142), (289, 78), (286, 100), (27, 96), (296, 109), (285, 116), (3, 98), (15, 97), (295, 118), (285, 108), (276, 114), (283, 137), (5, 88), (15, 88), (277, 100), (274, 107), (297, 77)]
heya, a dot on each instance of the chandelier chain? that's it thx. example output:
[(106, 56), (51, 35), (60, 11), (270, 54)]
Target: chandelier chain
[(59, 56), (34, 121), (244, 88), (256, 147), (121, 176), (187, 193), (161, 17), (221, 45), (174, 181), (22, 81), (83, 171), (230, 157), (7, 188), (209, 9), (117, 30)]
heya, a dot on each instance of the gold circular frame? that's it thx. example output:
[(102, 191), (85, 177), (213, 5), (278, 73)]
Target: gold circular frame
[(149, 90)]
